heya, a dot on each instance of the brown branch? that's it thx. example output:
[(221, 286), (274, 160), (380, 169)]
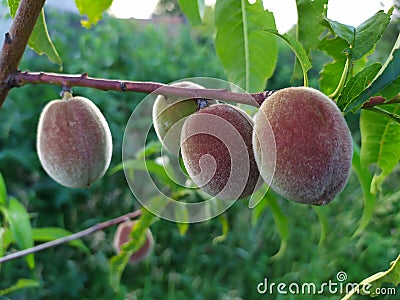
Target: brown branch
[(19, 79), (379, 100), (15, 41), (78, 235)]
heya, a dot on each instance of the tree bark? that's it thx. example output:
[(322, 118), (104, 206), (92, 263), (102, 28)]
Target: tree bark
[(16, 40)]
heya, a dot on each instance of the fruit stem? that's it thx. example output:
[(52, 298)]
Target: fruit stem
[(66, 95)]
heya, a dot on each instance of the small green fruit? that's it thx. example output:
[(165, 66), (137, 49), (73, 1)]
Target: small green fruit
[(313, 145), (169, 114), (217, 152), (122, 235), (74, 141)]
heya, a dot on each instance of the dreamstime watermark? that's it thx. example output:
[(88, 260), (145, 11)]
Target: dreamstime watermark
[(338, 286)]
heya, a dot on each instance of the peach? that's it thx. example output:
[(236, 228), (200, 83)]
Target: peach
[(169, 114), (216, 146), (74, 141), (313, 145), (122, 235)]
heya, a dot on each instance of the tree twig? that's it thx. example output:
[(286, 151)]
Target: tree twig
[(19, 79), (78, 235), (15, 41), (379, 100)]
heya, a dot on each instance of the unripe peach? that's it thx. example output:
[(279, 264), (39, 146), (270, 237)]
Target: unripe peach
[(169, 114), (217, 151), (313, 145), (122, 235), (74, 141)]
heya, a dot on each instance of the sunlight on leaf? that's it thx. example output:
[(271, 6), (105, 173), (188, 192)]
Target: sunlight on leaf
[(93, 10)]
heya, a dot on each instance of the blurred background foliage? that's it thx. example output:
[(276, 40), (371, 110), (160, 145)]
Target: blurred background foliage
[(180, 267)]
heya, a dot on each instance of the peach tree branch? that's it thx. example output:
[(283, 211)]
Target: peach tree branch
[(16, 40), (66, 239), (19, 79)]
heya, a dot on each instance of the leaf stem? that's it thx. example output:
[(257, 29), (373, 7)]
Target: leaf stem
[(66, 239), (342, 80)]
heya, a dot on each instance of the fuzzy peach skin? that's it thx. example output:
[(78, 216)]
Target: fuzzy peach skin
[(169, 113), (313, 145), (216, 145), (122, 236), (74, 142)]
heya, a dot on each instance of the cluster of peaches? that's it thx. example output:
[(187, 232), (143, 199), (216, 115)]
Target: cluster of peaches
[(298, 143)]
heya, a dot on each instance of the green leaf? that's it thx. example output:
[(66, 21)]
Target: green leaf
[(45, 234), (39, 40), (182, 213), (20, 225), (391, 90), (357, 84), (365, 179), (93, 10), (225, 229), (364, 37), (193, 10), (310, 15), (380, 139), (150, 166), (345, 32), (332, 72), (3, 191), (370, 285), (5, 239), (20, 284), (368, 34), (257, 205), (281, 221), (298, 51), (388, 74), (248, 54)]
